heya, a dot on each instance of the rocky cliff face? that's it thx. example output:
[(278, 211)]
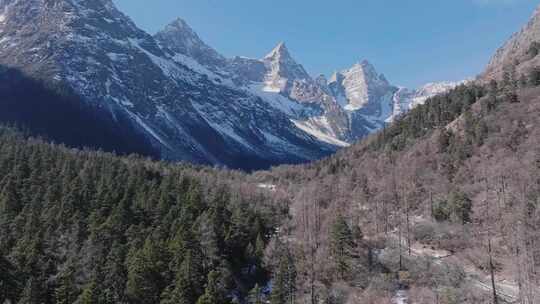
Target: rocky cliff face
[(519, 54)]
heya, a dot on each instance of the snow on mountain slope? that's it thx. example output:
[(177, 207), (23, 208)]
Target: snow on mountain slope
[(359, 86), (319, 127), (173, 96), (188, 100), (406, 99), (349, 106)]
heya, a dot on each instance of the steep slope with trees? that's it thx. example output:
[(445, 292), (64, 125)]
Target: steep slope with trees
[(442, 204)]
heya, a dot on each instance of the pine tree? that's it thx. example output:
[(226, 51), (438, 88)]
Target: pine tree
[(534, 77), (9, 282), (214, 290), (510, 84), (115, 274), (341, 245), (90, 294), (462, 206), (259, 249), (444, 140), (10, 201), (481, 132), (145, 270), (32, 292), (187, 285), (284, 280), (67, 291)]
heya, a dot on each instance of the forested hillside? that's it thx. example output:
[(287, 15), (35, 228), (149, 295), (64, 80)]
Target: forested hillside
[(442, 206), (90, 227)]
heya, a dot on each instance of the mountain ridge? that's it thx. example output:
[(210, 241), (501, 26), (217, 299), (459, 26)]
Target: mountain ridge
[(180, 94), (518, 54)]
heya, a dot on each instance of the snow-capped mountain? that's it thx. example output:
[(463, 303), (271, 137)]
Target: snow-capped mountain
[(360, 87), (180, 94), (406, 99), (184, 45), (365, 95), (92, 49)]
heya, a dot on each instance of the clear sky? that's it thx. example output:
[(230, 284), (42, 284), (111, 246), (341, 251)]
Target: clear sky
[(410, 41)]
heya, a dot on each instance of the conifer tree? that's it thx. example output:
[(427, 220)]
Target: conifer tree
[(284, 280), (462, 206), (90, 294), (9, 282), (145, 270), (32, 292), (10, 201), (67, 291), (534, 77), (214, 290), (187, 285), (341, 245)]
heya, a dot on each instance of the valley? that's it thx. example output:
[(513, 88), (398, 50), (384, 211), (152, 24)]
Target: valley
[(151, 169)]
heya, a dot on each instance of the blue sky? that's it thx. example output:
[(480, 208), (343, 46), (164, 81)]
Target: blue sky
[(410, 41)]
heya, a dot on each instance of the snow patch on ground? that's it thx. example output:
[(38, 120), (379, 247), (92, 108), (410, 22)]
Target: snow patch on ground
[(169, 68), (115, 56), (195, 66), (276, 100), (401, 297), (269, 187), (311, 129), (3, 14), (224, 128), (149, 130)]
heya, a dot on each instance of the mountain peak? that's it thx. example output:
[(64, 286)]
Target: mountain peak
[(180, 27), (280, 51), (360, 86), (179, 24), (179, 38), (363, 63)]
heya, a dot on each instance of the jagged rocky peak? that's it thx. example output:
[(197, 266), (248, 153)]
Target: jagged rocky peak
[(280, 52), (180, 25), (179, 36), (521, 52), (366, 71), (180, 39), (359, 85), (283, 66)]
